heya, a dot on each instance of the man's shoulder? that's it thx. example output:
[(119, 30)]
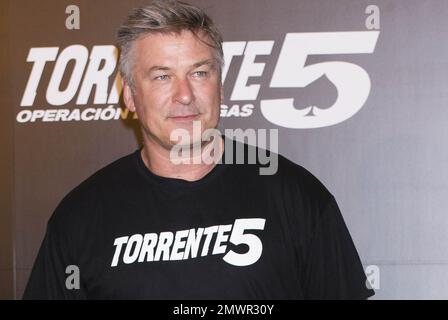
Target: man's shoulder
[(86, 196), (296, 173), (299, 177), (108, 175), (286, 174)]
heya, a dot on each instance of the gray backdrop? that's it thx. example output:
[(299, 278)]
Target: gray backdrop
[(385, 163)]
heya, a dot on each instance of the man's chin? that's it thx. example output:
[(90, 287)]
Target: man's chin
[(187, 144), (187, 132)]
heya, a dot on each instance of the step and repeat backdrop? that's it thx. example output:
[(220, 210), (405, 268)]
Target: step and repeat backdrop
[(356, 89)]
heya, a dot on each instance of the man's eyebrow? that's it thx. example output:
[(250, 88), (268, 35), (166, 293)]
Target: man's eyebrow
[(157, 68), (211, 62)]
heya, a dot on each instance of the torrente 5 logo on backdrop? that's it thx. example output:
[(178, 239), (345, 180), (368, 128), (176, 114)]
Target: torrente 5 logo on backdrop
[(95, 70)]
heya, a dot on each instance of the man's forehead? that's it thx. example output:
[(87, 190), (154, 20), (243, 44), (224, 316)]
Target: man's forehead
[(165, 49), (169, 40)]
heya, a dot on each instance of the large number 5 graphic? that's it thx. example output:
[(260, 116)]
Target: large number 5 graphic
[(252, 241), (351, 81)]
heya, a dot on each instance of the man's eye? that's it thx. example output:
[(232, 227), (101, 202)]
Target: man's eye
[(162, 77), (200, 74)]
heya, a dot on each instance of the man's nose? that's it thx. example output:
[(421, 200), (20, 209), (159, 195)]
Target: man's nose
[(183, 92)]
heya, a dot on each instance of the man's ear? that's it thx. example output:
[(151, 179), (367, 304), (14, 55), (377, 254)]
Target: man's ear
[(222, 94), (128, 97)]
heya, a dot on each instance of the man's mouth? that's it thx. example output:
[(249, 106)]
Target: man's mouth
[(185, 118)]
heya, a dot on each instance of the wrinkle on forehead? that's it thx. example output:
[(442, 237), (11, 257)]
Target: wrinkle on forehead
[(171, 50)]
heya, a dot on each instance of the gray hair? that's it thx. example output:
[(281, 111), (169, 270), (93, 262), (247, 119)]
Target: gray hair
[(164, 17)]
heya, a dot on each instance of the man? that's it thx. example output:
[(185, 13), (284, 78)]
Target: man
[(148, 227)]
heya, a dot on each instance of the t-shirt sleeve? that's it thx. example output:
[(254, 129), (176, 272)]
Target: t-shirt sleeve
[(333, 267), (48, 279)]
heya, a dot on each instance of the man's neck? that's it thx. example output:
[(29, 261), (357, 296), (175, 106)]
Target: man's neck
[(157, 159)]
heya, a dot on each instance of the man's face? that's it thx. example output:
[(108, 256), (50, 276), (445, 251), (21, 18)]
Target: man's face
[(176, 81)]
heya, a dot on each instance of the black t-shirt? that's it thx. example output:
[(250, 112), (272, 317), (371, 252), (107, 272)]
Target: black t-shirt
[(233, 234)]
